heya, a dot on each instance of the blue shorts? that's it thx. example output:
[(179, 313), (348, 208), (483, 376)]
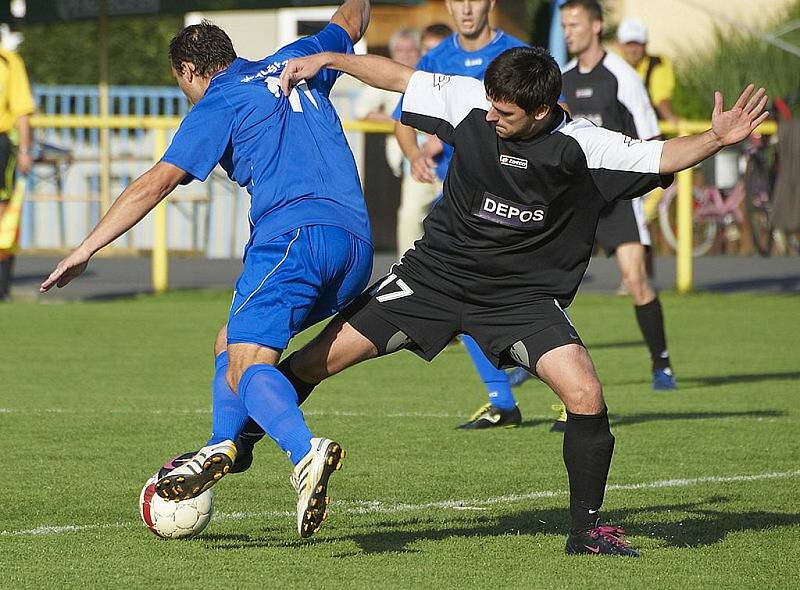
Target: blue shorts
[(294, 280)]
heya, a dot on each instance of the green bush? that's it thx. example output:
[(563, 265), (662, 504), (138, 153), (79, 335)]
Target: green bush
[(66, 53), (737, 59)]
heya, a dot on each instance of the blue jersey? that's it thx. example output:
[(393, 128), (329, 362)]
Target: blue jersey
[(450, 58), (290, 154)]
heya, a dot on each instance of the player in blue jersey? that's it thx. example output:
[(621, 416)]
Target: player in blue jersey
[(468, 52), (309, 252)]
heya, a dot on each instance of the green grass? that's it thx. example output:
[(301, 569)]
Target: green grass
[(95, 396)]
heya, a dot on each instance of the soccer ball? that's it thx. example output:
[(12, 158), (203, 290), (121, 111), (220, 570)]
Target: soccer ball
[(174, 520)]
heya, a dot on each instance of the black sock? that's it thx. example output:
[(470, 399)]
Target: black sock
[(651, 323), (588, 446), (252, 432), (6, 267), (302, 388)]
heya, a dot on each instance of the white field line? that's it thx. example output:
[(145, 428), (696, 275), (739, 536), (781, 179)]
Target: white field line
[(378, 507), (206, 411), (316, 413)]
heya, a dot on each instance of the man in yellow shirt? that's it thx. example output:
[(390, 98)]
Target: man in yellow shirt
[(655, 71), (16, 106)]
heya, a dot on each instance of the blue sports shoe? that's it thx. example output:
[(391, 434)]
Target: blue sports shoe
[(664, 380), (517, 376)]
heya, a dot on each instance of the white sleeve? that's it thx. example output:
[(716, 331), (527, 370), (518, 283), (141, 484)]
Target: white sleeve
[(621, 167), (435, 103), (633, 95)]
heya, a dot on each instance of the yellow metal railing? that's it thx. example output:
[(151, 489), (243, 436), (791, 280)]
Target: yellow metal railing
[(160, 126), (683, 259)]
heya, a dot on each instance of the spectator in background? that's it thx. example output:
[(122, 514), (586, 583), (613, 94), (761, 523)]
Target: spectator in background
[(434, 34), (416, 198), (655, 71), (377, 105), (16, 106), (604, 89), (467, 52)]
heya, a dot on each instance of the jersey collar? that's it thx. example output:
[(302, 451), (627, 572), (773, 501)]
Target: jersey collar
[(498, 34)]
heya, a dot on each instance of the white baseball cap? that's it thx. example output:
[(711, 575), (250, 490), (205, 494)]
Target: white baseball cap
[(632, 30)]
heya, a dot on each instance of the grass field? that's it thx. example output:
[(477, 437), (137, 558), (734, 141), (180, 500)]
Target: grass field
[(95, 396)]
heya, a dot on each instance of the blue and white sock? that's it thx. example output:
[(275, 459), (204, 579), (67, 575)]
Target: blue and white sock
[(228, 413), (495, 379), (272, 402)]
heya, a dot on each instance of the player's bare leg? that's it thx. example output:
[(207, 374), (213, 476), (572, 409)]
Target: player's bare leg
[(588, 447), (632, 261), (334, 349)]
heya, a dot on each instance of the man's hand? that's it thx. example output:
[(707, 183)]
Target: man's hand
[(66, 270), (422, 169), (24, 162), (733, 126), (432, 147), (301, 68), (727, 128)]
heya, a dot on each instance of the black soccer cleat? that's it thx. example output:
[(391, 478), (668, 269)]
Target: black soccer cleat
[(489, 416), (601, 539), (193, 477)]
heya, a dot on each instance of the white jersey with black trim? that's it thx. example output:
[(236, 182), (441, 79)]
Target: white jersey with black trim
[(518, 217), (611, 95)]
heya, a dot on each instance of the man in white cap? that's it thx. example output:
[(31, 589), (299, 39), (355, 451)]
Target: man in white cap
[(655, 71)]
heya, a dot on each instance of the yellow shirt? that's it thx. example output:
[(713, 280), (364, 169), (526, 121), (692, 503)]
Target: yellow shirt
[(662, 79), (15, 91)]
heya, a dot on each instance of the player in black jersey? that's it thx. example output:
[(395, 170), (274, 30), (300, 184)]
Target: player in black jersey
[(506, 248), (603, 88)]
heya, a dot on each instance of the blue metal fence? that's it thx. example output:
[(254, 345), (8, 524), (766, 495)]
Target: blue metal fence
[(130, 148), (209, 219)]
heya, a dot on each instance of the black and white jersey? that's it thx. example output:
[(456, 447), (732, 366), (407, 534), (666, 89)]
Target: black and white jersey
[(612, 95), (518, 218)]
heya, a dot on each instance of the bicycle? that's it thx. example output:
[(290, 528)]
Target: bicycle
[(739, 177)]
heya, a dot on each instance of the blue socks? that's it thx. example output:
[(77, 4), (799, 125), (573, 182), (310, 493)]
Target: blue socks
[(271, 401), (228, 414), (496, 380)]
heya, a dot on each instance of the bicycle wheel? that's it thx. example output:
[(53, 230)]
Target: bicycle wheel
[(758, 204), (704, 231)]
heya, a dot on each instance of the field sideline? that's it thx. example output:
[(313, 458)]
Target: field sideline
[(95, 396)]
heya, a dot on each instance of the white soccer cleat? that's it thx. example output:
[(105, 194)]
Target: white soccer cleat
[(310, 481), (202, 471)]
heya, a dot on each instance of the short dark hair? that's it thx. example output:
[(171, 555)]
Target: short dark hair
[(438, 30), (205, 45), (591, 6), (527, 76)]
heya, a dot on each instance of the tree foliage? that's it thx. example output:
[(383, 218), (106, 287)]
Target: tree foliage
[(67, 53), (737, 59)]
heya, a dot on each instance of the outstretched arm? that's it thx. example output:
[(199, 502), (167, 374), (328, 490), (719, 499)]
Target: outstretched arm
[(373, 70), (353, 17), (727, 128), (132, 205)]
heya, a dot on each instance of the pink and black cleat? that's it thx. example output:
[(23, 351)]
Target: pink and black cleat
[(601, 539)]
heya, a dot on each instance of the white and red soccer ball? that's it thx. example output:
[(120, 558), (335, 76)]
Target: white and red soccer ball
[(174, 520)]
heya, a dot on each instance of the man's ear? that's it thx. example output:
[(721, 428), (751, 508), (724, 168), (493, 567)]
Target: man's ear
[(187, 70), (541, 112), (597, 27)]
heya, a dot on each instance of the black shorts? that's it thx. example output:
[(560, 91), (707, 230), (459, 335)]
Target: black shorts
[(401, 313), (8, 163), (620, 223)]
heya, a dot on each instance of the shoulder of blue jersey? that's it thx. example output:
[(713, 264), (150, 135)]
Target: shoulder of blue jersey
[(446, 47), (509, 41)]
